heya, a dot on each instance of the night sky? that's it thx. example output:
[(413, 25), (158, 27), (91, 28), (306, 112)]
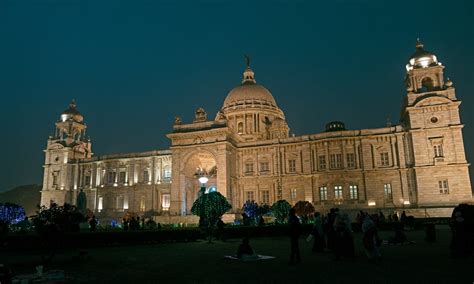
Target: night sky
[(132, 66)]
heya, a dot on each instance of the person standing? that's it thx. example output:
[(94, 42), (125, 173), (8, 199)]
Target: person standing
[(295, 231), (318, 233), (93, 224)]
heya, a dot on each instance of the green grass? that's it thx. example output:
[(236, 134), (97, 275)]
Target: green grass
[(201, 262)]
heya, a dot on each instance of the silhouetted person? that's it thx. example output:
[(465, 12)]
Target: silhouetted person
[(220, 229), (329, 228), (93, 224), (125, 224), (318, 233), (344, 242), (370, 239), (245, 251), (403, 218), (295, 231), (261, 221), (245, 219)]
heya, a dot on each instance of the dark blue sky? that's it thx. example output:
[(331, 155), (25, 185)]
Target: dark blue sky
[(133, 65)]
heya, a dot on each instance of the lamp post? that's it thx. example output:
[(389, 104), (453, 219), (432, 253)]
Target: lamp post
[(203, 180)]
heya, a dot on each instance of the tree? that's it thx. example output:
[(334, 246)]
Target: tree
[(11, 213), (211, 206), (280, 210), (304, 209), (51, 224)]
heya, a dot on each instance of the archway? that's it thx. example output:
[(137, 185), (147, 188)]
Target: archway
[(199, 163)]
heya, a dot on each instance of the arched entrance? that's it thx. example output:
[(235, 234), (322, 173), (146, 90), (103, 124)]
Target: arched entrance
[(198, 164)]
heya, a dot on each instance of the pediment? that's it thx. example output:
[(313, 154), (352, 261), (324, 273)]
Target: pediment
[(55, 146), (432, 100)]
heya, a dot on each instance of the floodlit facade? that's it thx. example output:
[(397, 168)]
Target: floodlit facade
[(247, 154)]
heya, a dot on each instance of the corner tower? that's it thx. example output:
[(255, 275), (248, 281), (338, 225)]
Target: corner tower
[(68, 146), (430, 115), (251, 111)]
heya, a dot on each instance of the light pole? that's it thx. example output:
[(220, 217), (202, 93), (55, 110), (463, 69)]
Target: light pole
[(203, 180)]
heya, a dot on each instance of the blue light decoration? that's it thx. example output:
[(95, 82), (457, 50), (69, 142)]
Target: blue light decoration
[(12, 213), (250, 208), (211, 189), (114, 223)]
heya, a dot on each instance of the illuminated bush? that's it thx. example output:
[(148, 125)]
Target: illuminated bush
[(211, 206), (11, 213), (280, 210)]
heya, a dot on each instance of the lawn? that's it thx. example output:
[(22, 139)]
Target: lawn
[(202, 262)]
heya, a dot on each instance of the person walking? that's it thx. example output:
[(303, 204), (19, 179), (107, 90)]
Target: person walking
[(295, 231)]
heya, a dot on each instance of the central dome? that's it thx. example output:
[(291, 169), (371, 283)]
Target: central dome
[(250, 111), (249, 93)]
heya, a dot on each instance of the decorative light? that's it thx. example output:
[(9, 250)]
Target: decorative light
[(406, 202), (115, 184), (203, 180), (371, 203)]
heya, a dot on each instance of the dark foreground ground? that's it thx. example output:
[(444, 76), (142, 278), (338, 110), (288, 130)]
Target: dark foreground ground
[(202, 262)]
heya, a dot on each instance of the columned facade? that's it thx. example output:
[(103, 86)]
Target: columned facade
[(246, 153)]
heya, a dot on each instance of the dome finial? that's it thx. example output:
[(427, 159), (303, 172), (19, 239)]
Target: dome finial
[(72, 104), (419, 44), (247, 60), (249, 76)]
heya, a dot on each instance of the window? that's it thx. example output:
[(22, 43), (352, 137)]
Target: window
[(322, 162), (55, 178), (87, 180), (335, 161), (100, 206), (120, 202), (166, 201), (167, 173), (338, 192), (443, 186), (265, 197), (350, 160), (323, 193), (292, 166), (384, 161), (240, 128), (250, 196), (438, 150), (142, 204), (293, 194), (111, 177), (354, 192), (122, 176), (249, 169), (387, 189), (264, 167), (146, 176)]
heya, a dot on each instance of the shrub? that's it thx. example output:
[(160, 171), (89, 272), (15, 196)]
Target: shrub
[(280, 210)]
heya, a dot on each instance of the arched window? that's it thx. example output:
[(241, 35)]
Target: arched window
[(426, 84), (240, 128)]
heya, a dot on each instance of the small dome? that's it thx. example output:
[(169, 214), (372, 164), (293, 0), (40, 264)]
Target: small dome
[(72, 113), (335, 126), (279, 122), (421, 58)]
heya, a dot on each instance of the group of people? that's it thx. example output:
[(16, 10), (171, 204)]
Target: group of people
[(334, 233), (132, 224)]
